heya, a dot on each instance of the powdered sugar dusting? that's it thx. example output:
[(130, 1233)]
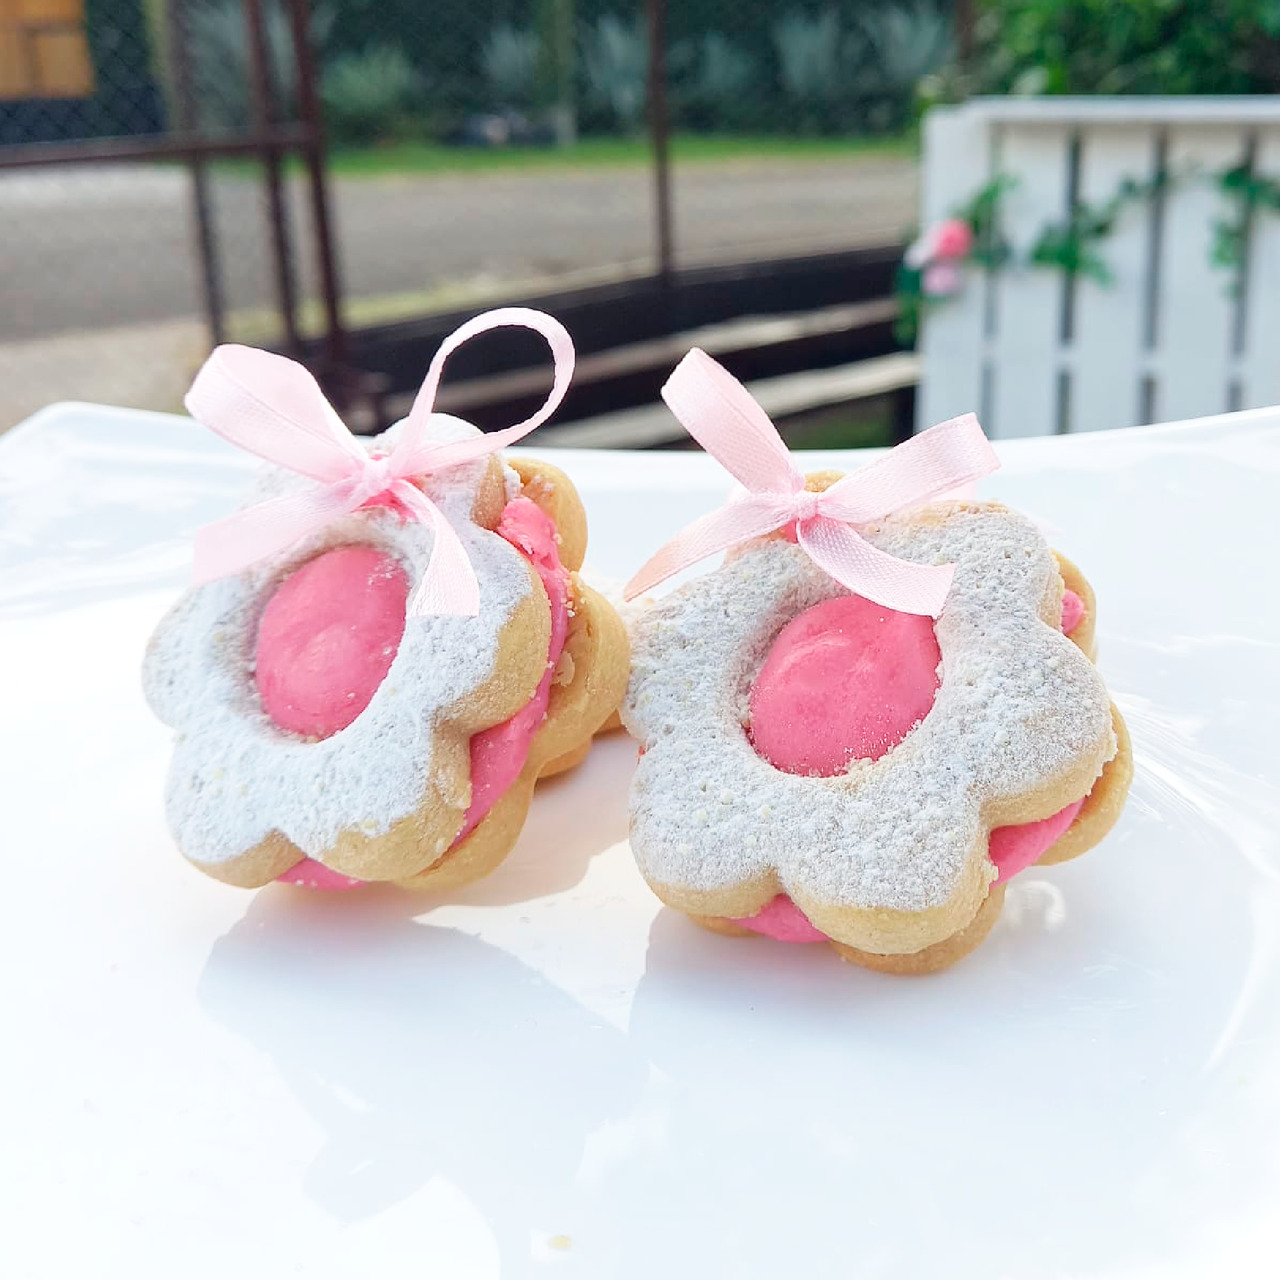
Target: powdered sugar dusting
[(1017, 707), (236, 776)]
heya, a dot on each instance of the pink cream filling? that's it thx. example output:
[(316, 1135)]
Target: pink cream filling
[(327, 639), (340, 619), (498, 754), (849, 679)]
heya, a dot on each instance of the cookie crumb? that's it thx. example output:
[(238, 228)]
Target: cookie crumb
[(564, 669)]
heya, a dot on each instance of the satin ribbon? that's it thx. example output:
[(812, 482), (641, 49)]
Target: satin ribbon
[(274, 408), (716, 409)]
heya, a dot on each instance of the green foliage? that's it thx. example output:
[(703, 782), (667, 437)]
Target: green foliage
[(1129, 46), (904, 44), (366, 95), (725, 66), (615, 61), (724, 70), (846, 68), (510, 60), (908, 288), (717, 92), (813, 56)]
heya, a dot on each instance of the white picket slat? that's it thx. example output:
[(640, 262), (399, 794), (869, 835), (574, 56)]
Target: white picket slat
[(1195, 314), (1260, 361), (1025, 347), (1108, 339), (951, 337)]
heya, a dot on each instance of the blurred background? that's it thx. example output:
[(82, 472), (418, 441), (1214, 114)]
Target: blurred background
[(345, 180)]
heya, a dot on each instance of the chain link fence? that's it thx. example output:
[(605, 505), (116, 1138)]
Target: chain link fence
[(100, 286), (479, 150)]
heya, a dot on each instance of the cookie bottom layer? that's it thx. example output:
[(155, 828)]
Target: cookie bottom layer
[(940, 955), (1097, 815)]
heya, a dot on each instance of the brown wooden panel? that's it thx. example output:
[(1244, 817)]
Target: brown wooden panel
[(63, 69), (15, 66), (39, 12)]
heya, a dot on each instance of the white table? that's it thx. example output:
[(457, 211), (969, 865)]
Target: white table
[(546, 1073)]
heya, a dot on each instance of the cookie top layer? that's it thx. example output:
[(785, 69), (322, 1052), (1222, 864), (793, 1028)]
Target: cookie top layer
[(236, 777), (1018, 708)]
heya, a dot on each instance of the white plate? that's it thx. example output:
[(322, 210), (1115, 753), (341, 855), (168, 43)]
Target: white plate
[(549, 1074)]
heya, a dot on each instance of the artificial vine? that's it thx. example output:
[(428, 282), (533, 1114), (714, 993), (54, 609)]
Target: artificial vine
[(1247, 192), (1073, 245), (990, 249)]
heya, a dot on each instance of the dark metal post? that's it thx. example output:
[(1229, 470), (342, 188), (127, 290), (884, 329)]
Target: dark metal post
[(313, 152), (964, 20), (660, 134), (264, 118), (184, 109)]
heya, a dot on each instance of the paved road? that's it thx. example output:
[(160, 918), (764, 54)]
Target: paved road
[(109, 247)]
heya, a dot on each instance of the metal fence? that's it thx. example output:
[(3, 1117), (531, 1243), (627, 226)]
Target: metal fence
[(478, 150)]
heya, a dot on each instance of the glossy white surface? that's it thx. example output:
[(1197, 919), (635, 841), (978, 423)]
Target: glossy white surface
[(545, 1073)]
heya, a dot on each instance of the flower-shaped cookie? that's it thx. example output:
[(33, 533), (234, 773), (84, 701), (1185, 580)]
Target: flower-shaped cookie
[(326, 737), (818, 766)]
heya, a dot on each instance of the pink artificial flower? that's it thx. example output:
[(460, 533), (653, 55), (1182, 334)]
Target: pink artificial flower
[(920, 252), (941, 279), (952, 239)]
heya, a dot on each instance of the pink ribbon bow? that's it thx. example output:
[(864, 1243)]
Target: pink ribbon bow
[(716, 409), (274, 408)]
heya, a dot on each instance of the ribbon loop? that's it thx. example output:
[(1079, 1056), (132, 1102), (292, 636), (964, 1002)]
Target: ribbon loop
[(720, 414), (413, 455), (274, 408)]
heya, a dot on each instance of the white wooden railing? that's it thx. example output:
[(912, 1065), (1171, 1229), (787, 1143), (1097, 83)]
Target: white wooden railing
[(1036, 351)]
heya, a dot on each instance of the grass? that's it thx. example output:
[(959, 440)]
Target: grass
[(591, 153)]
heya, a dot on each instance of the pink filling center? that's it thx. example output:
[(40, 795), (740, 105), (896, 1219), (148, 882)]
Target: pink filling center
[(848, 679), (324, 647), (327, 639)]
